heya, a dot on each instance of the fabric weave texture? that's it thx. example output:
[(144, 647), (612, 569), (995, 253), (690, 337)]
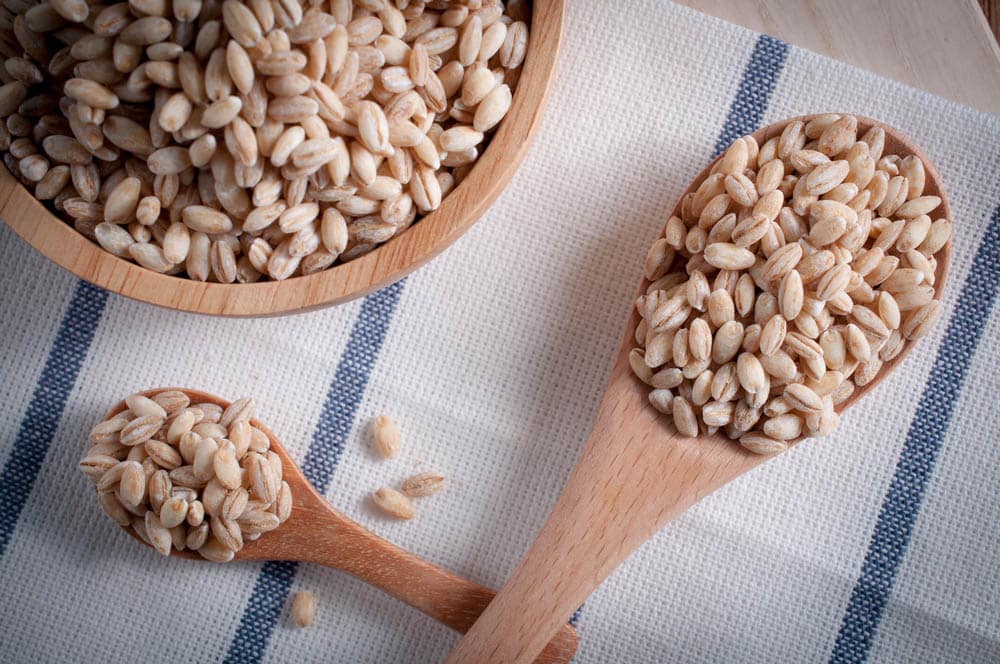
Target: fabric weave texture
[(876, 544)]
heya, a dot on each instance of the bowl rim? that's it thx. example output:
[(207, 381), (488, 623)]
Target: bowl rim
[(62, 244)]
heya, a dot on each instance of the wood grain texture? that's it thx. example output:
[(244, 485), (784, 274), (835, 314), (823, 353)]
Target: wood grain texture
[(635, 474), (386, 264), (317, 533), (943, 47)]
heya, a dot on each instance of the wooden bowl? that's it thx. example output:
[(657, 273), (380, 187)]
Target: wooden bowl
[(59, 242)]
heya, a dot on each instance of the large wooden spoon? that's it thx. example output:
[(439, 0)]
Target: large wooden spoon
[(317, 533), (635, 474)]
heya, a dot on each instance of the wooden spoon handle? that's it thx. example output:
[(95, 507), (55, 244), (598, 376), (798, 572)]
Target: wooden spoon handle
[(340, 543), (634, 475)]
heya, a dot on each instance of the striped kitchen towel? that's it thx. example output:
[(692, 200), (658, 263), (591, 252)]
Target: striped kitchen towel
[(878, 543)]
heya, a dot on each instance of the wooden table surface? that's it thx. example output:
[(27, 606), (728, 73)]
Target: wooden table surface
[(942, 46)]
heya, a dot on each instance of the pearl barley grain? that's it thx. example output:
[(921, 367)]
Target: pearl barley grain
[(386, 435), (423, 484), (303, 608), (393, 503)]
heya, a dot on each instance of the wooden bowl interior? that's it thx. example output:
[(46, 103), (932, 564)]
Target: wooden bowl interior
[(895, 143), (59, 242)]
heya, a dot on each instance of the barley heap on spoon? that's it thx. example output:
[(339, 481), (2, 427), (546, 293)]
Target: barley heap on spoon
[(234, 141), (793, 273), (188, 476)]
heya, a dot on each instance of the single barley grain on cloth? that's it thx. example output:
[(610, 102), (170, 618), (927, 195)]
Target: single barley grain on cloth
[(233, 141), (393, 503), (423, 484), (187, 475), (387, 437), (303, 608), (794, 272)]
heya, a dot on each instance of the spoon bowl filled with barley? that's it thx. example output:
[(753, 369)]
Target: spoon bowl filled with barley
[(796, 271)]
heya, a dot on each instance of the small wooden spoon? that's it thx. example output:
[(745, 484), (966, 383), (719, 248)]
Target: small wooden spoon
[(635, 474), (318, 533)]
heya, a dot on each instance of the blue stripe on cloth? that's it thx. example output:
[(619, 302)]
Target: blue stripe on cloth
[(348, 386), (759, 78), (38, 426), (274, 582), (916, 462), (745, 113)]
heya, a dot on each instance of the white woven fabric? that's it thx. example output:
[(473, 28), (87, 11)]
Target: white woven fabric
[(493, 361)]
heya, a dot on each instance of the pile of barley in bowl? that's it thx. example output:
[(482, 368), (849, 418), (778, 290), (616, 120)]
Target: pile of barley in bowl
[(241, 140), (188, 476), (792, 274)]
